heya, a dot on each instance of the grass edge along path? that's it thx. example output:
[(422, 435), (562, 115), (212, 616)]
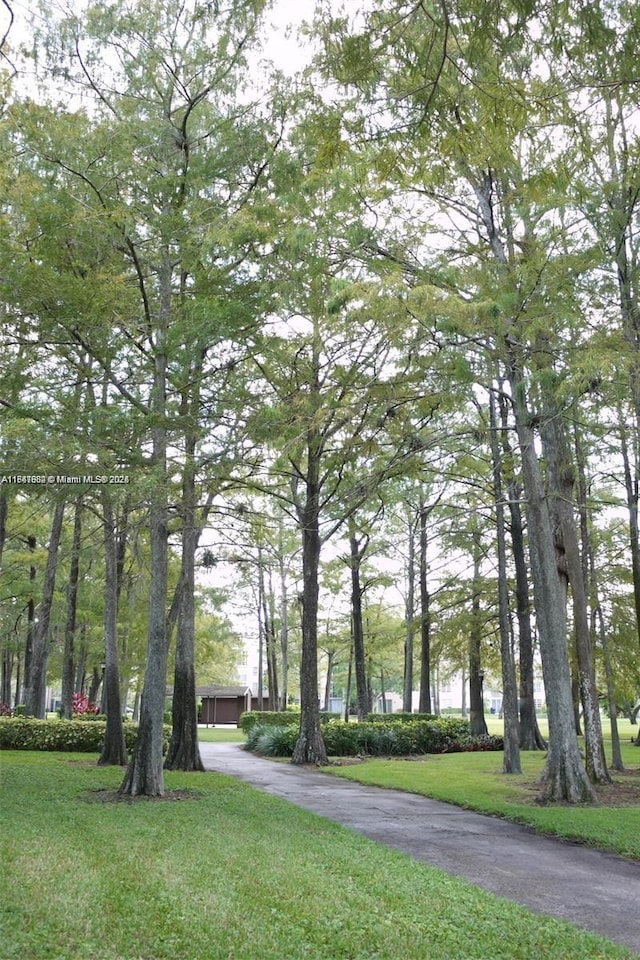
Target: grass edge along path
[(475, 781), (230, 872)]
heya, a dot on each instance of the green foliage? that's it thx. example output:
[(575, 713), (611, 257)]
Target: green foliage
[(251, 718), (263, 718), (401, 717), (401, 738), (81, 736)]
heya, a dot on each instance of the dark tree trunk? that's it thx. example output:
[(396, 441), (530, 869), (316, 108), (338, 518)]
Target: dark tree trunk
[(511, 762), (347, 696), (4, 509), (425, 614), (266, 606), (410, 613), (114, 750), (184, 752), (530, 736), (284, 631), (35, 699), (7, 674), (632, 487), (564, 777), (97, 676), (310, 746), (70, 627), (597, 613), (357, 551), (31, 623), (477, 722), (80, 674)]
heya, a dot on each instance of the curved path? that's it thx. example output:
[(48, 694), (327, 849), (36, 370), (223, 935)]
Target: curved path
[(591, 889)]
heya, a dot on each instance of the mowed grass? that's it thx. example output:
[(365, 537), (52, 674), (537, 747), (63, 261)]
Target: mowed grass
[(476, 781), (229, 872), (220, 735)]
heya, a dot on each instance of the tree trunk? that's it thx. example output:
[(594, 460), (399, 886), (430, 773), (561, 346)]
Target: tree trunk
[(284, 631), (530, 735), (632, 486), (4, 509), (184, 752), (66, 711), (357, 624), (425, 614), (81, 661), (561, 479), (31, 624), (310, 746), (114, 750), (410, 613), (597, 613), (564, 777), (477, 722), (511, 763), (331, 659), (268, 617), (347, 696), (35, 697), (144, 774)]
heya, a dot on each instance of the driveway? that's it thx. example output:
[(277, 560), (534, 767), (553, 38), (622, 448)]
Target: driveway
[(591, 889)]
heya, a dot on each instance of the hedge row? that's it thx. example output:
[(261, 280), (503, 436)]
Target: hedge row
[(402, 738), (403, 717), (80, 736), (275, 718)]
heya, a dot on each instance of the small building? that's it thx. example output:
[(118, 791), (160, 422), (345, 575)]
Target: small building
[(221, 704)]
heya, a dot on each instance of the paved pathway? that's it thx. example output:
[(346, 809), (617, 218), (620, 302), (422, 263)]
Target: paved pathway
[(593, 890)]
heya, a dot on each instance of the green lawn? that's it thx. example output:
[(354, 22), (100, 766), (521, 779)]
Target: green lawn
[(220, 735), (230, 872), (475, 780)]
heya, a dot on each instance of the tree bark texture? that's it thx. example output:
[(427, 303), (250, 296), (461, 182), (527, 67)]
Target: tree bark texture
[(356, 550), (144, 774), (564, 777), (425, 613), (477, 722), (184, 752), (66, 698), (310, 746), (410, 612), (530, 736), (35, 698), (561, 480), (114, 750), (511, 761)]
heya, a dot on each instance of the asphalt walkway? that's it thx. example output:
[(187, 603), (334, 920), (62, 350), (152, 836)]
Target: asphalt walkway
[(591, 889)]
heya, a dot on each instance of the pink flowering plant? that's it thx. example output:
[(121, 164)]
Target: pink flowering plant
[(81, 705)]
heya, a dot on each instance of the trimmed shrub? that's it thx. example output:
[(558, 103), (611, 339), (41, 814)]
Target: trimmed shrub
[(81, 736), (402, 717), (264, 718)]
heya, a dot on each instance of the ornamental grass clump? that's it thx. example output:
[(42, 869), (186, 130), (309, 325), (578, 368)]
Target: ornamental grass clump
[(392, 738)]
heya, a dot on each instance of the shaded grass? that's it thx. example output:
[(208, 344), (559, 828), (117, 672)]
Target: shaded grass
[(230, 873), (476, 781)]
